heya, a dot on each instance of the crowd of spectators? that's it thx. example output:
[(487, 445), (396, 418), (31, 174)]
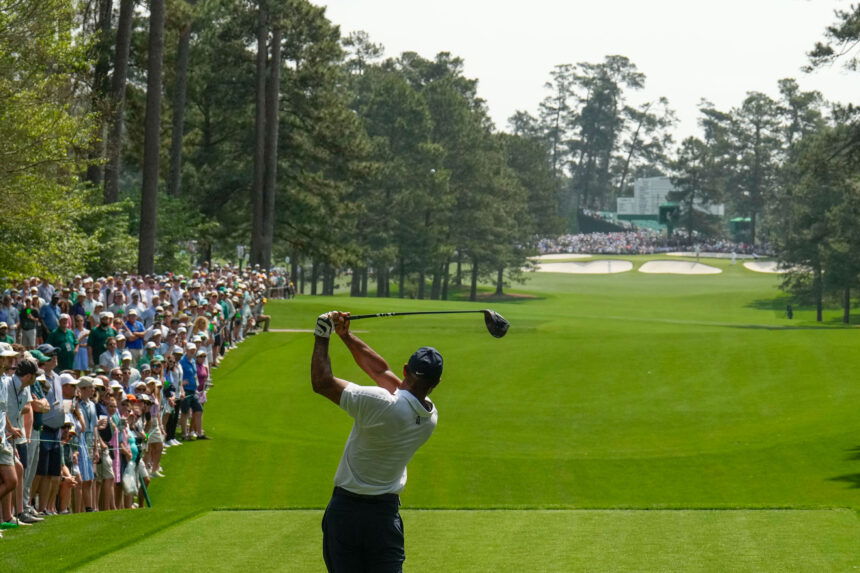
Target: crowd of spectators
[(99, 376), (644, 242)]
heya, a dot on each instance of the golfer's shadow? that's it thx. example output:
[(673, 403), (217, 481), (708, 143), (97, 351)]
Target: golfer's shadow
[(852, 479)]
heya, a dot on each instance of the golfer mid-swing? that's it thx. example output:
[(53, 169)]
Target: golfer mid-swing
[(362, 529)]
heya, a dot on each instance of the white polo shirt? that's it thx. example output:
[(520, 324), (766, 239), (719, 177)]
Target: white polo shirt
[(388, 430)]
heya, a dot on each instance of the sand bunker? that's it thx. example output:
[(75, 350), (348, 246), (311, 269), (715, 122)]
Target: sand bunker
[(559, 256), (764, 266), (601, 267), (678, 268)]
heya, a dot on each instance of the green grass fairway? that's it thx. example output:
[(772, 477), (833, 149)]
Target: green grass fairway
[(692, 397), (539, 540)]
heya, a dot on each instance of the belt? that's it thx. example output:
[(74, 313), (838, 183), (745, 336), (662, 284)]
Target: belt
[(383, 497)]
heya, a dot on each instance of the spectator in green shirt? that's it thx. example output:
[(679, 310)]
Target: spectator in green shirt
[(64, 340), (96, 343)]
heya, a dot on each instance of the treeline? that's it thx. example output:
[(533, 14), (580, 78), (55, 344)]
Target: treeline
[(149, 132), (197, 126)]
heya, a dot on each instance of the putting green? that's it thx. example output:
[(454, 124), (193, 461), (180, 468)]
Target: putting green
[(495, 541)]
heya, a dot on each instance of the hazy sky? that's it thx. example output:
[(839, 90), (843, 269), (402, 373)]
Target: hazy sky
[(688, 49)]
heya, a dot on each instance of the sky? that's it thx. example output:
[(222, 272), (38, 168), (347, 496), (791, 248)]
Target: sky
[(688, 49)]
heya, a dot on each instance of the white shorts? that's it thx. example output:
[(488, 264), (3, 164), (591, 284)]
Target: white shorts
[(7, 454)]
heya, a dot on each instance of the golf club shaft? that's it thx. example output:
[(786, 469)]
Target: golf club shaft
[(382, 314)]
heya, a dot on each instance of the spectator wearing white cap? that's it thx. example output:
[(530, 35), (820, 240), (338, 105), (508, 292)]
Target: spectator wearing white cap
[(97, 341), (9, 465), (66, 343), (127, 365), (81, 362), (149, 350), (118, 305), (88, 451), (4, 333), (202, 385), (190, 403), (12, 316), (30, 322), (134, 332), (19, 399), (110, 359), (173, 394)]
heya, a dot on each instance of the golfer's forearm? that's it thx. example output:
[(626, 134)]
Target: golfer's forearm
[(321, 375), (366, 357)]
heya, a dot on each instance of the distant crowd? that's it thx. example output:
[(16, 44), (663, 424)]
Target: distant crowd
[(99, 376), (643, 242)]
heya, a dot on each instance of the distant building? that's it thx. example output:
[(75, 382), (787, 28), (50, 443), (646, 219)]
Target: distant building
[(648, 194)]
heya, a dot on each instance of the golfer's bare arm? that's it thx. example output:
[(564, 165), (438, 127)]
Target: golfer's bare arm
[(322, 380), (372, 363)]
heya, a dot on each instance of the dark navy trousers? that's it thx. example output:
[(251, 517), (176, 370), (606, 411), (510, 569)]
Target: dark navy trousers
[(363, 533)]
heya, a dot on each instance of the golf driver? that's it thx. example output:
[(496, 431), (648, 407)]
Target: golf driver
[(496, 323)]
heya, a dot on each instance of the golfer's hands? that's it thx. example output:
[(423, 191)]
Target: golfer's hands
[(341, 323), (325, 324)]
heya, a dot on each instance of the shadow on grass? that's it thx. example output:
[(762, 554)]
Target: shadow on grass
[(779, 305), (852, 479)]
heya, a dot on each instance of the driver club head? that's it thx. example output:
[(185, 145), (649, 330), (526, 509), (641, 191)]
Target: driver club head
[(496, 323)]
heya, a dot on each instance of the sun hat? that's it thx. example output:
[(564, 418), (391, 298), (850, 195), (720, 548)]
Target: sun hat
[(6, 349), (47, 349), (68, 380), (85, 382), (39, 356)]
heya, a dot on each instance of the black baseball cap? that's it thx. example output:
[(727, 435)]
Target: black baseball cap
[(426, 362)]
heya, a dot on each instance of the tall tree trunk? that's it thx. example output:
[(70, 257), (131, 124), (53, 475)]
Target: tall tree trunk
[(436, 286), (180, 90), (314, 277), (381, 281), (355, 283), (446, 272), (302, 279), (846, 305), (152, 141), (271, 148), (257, 193), (500, 282), (117, 101), (421, 280), (402, 279), (691, 219), (752, 228), (294, 269), (818, 287), (458, 279), (364, 281), (473, 291), (101, 91)]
